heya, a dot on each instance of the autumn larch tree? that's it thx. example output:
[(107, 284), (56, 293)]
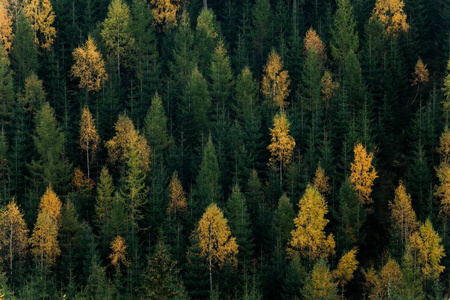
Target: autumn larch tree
[(313, 43), (14, 234), (403, 216), (117, 34), (275, 82), (320, 285), (390, 13), (443, 174), (89, 138), (214, 238), (420, 76), (426, 245), (44, 242), (89, 66), (104, 201), (118, 255), (309, 239), (345, 269), (363, 173), (165, 13), (177, 196), (446, 89), (41, 17), (282, 143), (6, 32), (387, 283), (321, 181)]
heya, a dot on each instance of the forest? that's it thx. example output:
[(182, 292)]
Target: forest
[(234, 149)]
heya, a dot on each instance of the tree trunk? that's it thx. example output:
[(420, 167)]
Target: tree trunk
[(87, 160), (205, 4), (10, 249), (210, 263)]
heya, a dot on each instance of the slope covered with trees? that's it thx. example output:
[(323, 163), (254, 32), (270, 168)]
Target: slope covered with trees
[(236, 149)]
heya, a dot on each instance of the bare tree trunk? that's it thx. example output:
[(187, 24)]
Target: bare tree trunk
[(210, 263), (205, 4)]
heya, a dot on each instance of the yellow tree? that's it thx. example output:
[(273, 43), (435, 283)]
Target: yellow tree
[(177, 196), (346, 267), (52, 205), (403, 217), (309, 239), (165, 13), (313, 43), (126, 140), (89, 138), (6, 33), (390, 13), (282, 143), (89, 66), (363, 173), (320, 286), (420, 76), (443, 174), (215, 240), (385, 284), (328, 88), (13, 234), (275, 82), (118, 255), (41, 17), (426, 246), (446, 89), (321, 181)]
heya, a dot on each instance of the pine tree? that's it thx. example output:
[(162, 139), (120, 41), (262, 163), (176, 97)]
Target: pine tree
[(6, 86), (155, 126), (207, 36), (261, 30), (104, 200), (221, 78)]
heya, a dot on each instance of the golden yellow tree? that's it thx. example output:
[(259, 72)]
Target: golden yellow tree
[(390, 13), (89, 66), (89, 138), (320, 286), (13, 234), (275, 82), (81, 182), (125, 140), (346, 267), (215, 240), (165, 12), (41, 17), (321, 181), (282, 143), (403, 217), (6, 32), (177, 196), (385, 284), (363, 173), (44, 240), (420, 74), (309, 239), (313, 43), (52, 205), (426, 245), (328, 88), (118, 255), (443, 174)]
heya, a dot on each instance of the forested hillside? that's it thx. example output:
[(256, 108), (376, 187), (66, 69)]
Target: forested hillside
[(233, 149)]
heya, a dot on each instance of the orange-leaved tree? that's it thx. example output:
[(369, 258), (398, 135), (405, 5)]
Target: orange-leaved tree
[(6, 32), (215, 240), (403, 217), (313, 43), (390, 13), (165, 13), (177, 196), (41, 17), (363, 173), (118, 255)]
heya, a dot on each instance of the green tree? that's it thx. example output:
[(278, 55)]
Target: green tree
[(6, 88), (207, 35), (221, 78), (155, 126), (320, 285), (117, 33)]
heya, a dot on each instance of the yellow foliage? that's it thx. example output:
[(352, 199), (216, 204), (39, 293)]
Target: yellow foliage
[(390, 13), (321, 181), (282, 143), (41, 17), (363, 173), (44, 240), (125, 140), (328, 87), (177, 196), (420, 74), (81, 182), (313, 43), (51, 204), (119, 252), (275, 83), (426, 245), (403, 216), (443, 189), (13, 233), (89, 138), (444, 146), (381, 286), (89, 66), (6, 33), (320, 286), (214, 236), (165, 12), (346, 267), (309, 238)]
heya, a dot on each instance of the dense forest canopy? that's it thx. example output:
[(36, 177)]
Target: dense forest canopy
[(234, 149)]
